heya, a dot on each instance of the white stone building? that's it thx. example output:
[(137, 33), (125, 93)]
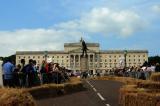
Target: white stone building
[(97, 59)]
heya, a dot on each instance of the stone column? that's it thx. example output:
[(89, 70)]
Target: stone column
[(1, 74), (79, 58), (98, 61), (89, 61), (93, 63), (74, 62)]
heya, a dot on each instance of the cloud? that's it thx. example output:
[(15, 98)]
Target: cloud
[(98, 20), (35, 39), (156, 8), (107, 21)]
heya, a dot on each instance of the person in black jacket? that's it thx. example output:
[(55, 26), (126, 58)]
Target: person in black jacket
[(157, 69), (28, 71)]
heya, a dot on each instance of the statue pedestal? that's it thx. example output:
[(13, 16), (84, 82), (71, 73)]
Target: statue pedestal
[(84, 63)]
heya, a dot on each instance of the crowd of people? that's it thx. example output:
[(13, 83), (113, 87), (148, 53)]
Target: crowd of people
[(142, 72), (32, 75)]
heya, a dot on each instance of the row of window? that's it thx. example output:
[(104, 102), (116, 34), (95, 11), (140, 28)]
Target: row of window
[(29, 57), (111, 60), (54, 61), (20, 57), (110, 56), (115, 65)]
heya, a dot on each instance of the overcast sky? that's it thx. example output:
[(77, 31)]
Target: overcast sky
[(48, 24)]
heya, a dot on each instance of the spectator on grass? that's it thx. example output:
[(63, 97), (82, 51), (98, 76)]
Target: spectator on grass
[(28, 72), (43, 71), (57, 74), (8, 69), (157, 69), (16, 77)]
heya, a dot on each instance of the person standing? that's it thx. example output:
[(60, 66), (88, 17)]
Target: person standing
[(157, 68), (8, 69), (28, 71)]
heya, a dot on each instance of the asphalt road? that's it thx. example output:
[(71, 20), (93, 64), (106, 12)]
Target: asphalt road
[(98, 93)]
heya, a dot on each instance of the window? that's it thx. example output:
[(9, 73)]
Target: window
[(38, 57), (67, 56), (110, 60), (29, 57), (19, 57), (24, 57), (52, 56), (57, 56), (33, 56), (106, 65), (114, 56), (96, 65), (110, 65), (100, 64), (62, 56)]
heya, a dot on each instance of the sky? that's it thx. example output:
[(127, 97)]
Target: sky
[(33, 25)]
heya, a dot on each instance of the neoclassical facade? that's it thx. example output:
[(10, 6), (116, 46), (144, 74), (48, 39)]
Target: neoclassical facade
[(97, 59)]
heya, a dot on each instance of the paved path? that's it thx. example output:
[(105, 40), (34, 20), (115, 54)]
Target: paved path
[(98, 93)]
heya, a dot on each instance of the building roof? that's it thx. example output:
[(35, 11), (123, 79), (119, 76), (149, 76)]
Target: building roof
[(122, 51), (77, 50), (79, 44), (39, 52)]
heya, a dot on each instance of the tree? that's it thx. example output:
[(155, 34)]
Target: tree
[(12, 58), (154, 59)]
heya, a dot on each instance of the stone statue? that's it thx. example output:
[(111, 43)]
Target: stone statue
[(84, 48)]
